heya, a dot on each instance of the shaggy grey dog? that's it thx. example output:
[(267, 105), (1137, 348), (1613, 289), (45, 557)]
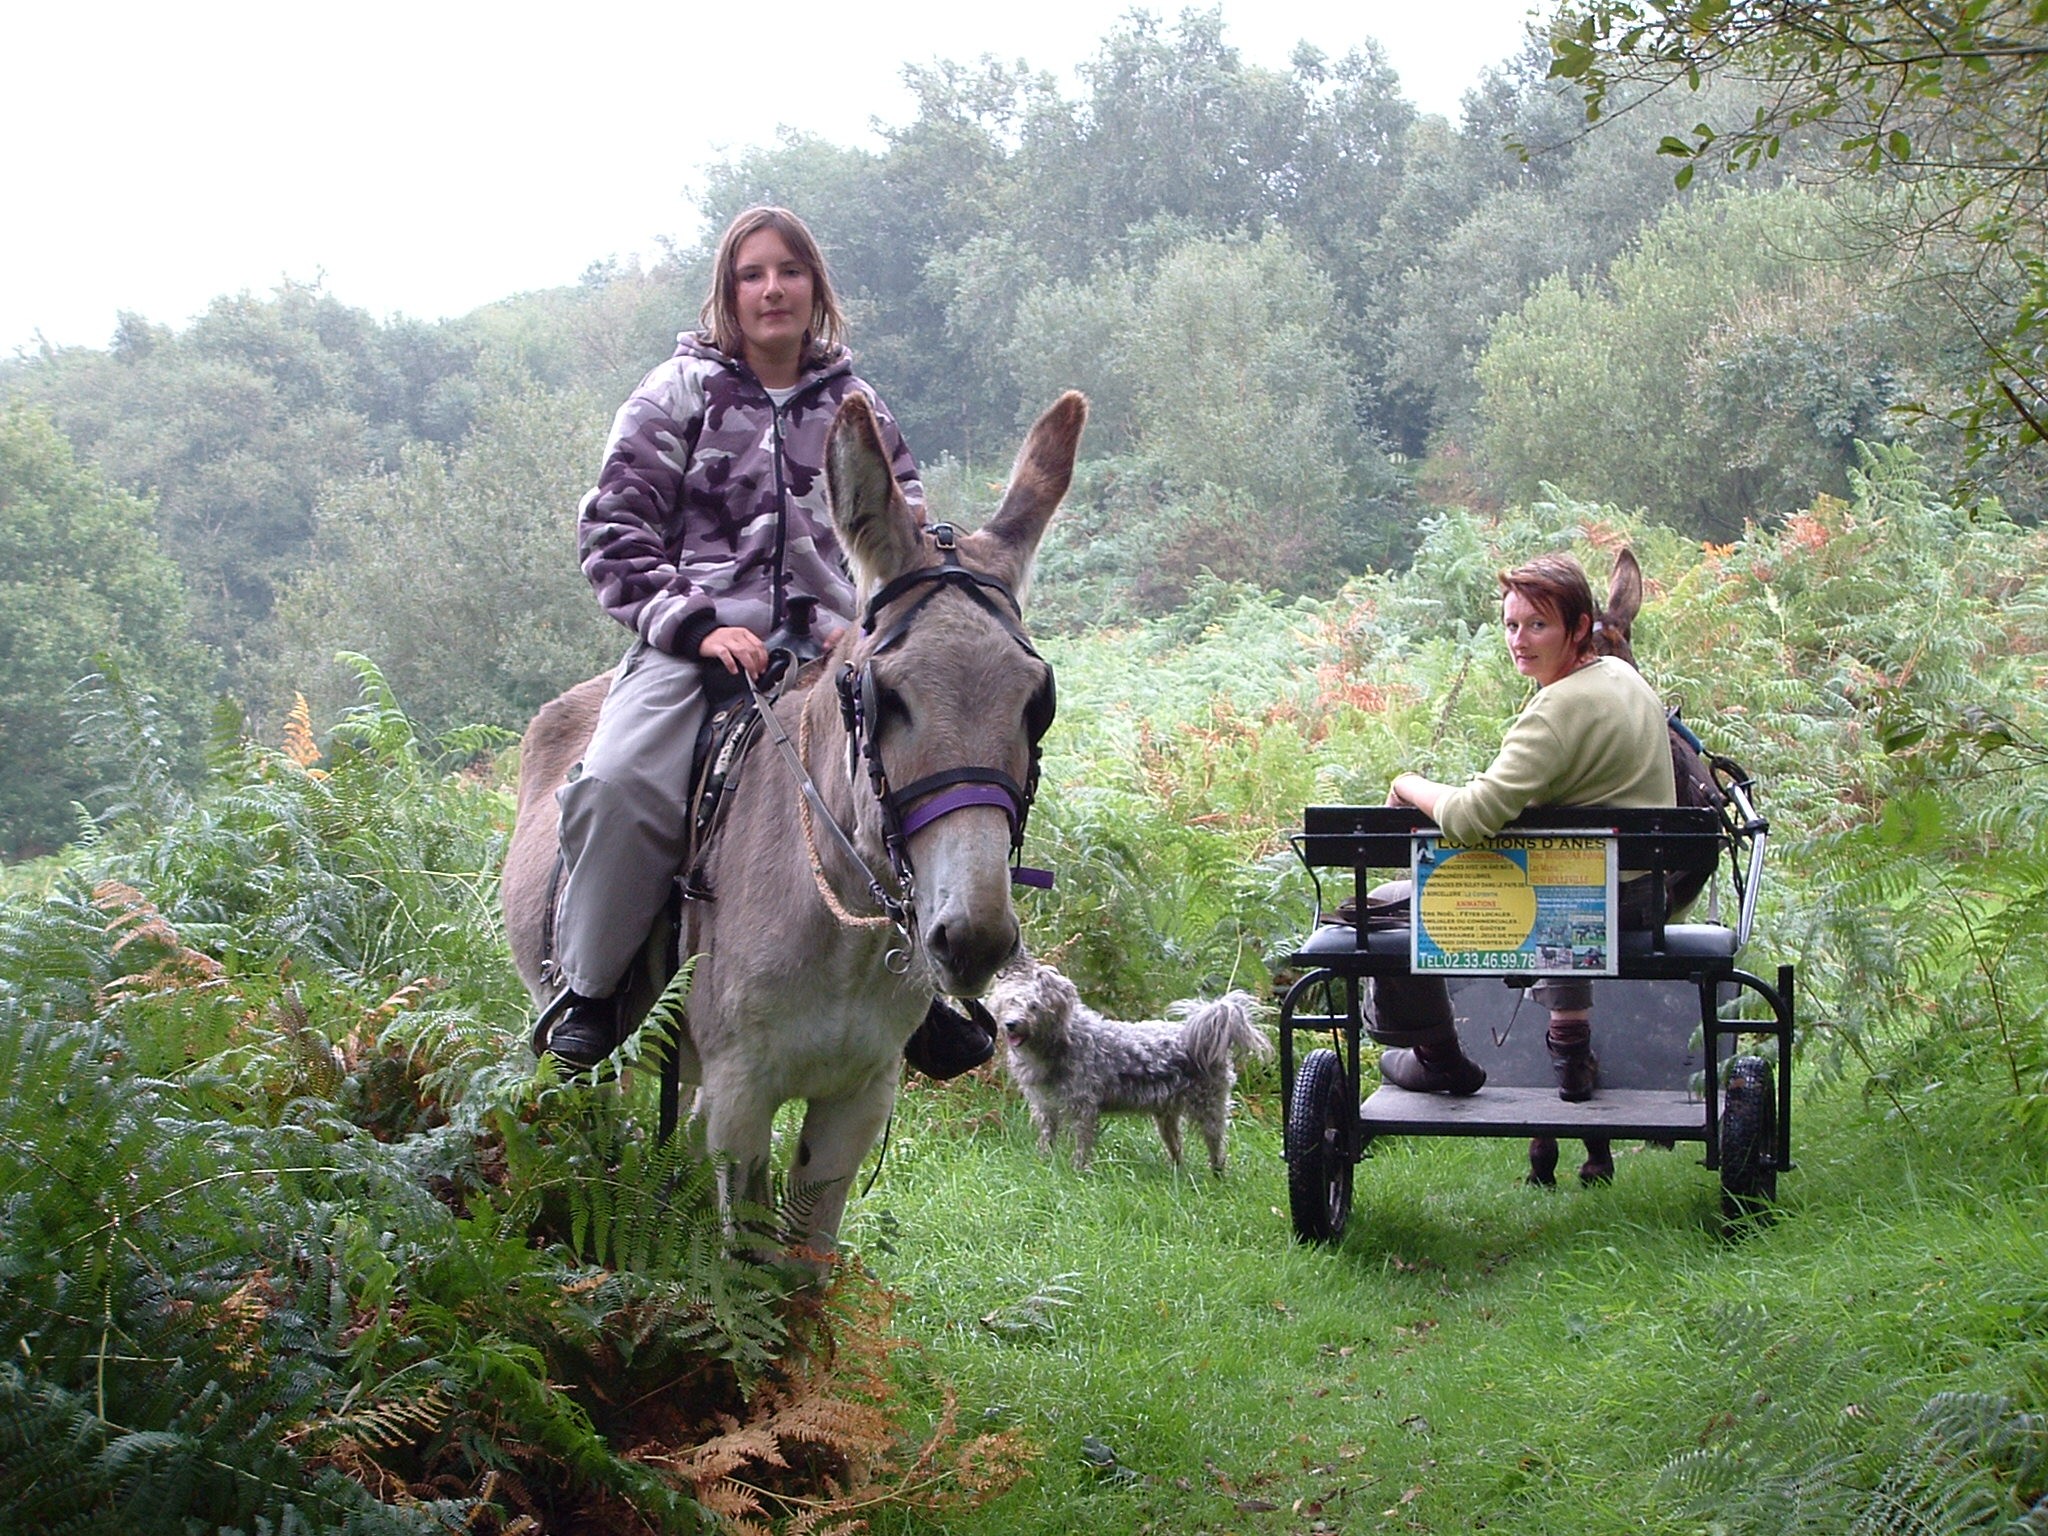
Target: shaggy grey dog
[(1073, 1065)]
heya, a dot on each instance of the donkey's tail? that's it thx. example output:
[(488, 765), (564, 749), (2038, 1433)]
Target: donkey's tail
[(1214, 1032)]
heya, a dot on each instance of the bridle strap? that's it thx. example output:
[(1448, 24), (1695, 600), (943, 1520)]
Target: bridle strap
[(896, 912), (956, 790), (1009, 613), (972, 582), (975, 786)]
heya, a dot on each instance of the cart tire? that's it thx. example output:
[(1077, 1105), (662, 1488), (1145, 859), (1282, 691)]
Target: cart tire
[(1749, 1140), (1318, 1168)]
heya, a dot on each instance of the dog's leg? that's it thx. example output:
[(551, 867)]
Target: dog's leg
[(1214, 1132), (1047, 1119), (1169, 1132), (1084, 1135)]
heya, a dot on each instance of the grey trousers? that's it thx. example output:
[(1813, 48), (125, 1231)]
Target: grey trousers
[(623, 817)]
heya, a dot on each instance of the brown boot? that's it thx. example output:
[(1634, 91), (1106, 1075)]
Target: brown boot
[(1570, 1042), (1438, 1067)]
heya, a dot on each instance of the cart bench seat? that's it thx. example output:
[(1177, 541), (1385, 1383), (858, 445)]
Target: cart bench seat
[(1336, 945)]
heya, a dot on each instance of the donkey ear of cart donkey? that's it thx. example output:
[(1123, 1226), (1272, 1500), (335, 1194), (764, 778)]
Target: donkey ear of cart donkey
[(1624, 601)]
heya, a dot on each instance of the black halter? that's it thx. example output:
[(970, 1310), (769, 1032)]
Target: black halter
[(954, 789)]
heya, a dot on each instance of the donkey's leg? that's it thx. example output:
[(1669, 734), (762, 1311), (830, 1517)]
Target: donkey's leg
[(738, 1121), (837, 1135)]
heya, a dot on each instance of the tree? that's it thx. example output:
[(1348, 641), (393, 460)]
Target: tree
[(457, 573), (1721, 372), (1945, 103), (234, 424), (83, 586), (1231, 417)]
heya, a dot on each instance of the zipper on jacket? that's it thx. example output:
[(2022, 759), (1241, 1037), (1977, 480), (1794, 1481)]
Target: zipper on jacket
[(778, 578)]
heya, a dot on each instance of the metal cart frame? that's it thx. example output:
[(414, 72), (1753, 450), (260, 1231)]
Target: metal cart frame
[(1744, 1122)]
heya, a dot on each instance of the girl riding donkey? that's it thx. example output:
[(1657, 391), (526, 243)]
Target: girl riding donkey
[(707, 534)]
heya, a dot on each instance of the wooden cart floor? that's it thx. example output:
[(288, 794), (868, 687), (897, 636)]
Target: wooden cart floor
[(1506, 1110)]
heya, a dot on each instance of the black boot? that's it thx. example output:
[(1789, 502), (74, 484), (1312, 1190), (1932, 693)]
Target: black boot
[(949, 1042), (1577, 1068), (1433, 1065), (578, 1031)]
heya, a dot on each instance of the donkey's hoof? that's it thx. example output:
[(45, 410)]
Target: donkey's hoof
[(1598, 1168), (1543, 1162)]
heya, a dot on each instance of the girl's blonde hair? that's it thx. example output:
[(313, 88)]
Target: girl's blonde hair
[(720, 316)]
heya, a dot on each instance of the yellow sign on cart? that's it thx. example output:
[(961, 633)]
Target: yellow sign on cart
[(1535, 905)]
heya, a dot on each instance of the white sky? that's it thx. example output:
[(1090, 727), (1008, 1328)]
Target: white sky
[(428, 157)]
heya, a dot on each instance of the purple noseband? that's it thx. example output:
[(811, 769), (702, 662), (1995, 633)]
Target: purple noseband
[(961, 796)]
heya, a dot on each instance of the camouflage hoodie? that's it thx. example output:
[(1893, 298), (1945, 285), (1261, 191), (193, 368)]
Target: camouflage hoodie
[(711, 507)]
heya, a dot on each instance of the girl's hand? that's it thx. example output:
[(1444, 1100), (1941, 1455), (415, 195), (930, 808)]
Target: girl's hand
[(737, 649)]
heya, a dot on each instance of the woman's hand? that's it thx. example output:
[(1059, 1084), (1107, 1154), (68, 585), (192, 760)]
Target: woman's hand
[(1413, 789), (737, 649)]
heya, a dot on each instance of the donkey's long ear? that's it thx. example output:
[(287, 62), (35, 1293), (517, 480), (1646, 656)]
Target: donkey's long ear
[(875, 526), (1044, 470), (1624, 591)]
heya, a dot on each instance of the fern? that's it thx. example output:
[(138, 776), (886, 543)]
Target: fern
[(1831, 1461), (1984, 1438), (127, 737)]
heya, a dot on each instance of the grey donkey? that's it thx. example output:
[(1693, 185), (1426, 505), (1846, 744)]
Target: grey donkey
[(1074, 1066)]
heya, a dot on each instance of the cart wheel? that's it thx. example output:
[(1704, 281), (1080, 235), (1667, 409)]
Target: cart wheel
[(1749, 1137), (1318, 1171)]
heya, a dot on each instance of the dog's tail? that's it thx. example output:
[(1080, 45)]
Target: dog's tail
[(1214, 1032)]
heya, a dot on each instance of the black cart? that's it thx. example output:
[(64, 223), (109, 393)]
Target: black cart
[(1669, 1026)]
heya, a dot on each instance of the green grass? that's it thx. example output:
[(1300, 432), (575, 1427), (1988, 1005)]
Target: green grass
[(1476, 1354)]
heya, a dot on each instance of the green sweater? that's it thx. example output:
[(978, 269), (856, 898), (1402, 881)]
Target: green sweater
[(1594, 737)]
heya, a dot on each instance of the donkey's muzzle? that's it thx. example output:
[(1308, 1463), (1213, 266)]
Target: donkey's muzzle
[(967, 955)]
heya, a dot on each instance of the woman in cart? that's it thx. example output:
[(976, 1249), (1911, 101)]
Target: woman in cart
[(707, 532), (1594, 734)]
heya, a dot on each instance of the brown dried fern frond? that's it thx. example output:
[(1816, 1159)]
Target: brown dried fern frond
[(134, 919), (820, 1443), (299, 742), (387, 1425)]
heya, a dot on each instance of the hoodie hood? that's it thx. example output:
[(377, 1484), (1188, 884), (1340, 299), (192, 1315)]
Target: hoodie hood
[(819, 362)]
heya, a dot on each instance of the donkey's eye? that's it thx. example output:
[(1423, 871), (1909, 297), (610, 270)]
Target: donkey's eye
[(1043, 706), (890, 707)]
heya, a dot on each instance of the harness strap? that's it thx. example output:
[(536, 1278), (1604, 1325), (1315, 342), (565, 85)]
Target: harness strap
[(550, 917), (826, 894)]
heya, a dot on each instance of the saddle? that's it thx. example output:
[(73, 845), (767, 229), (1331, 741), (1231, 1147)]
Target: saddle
[(731, 725)]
